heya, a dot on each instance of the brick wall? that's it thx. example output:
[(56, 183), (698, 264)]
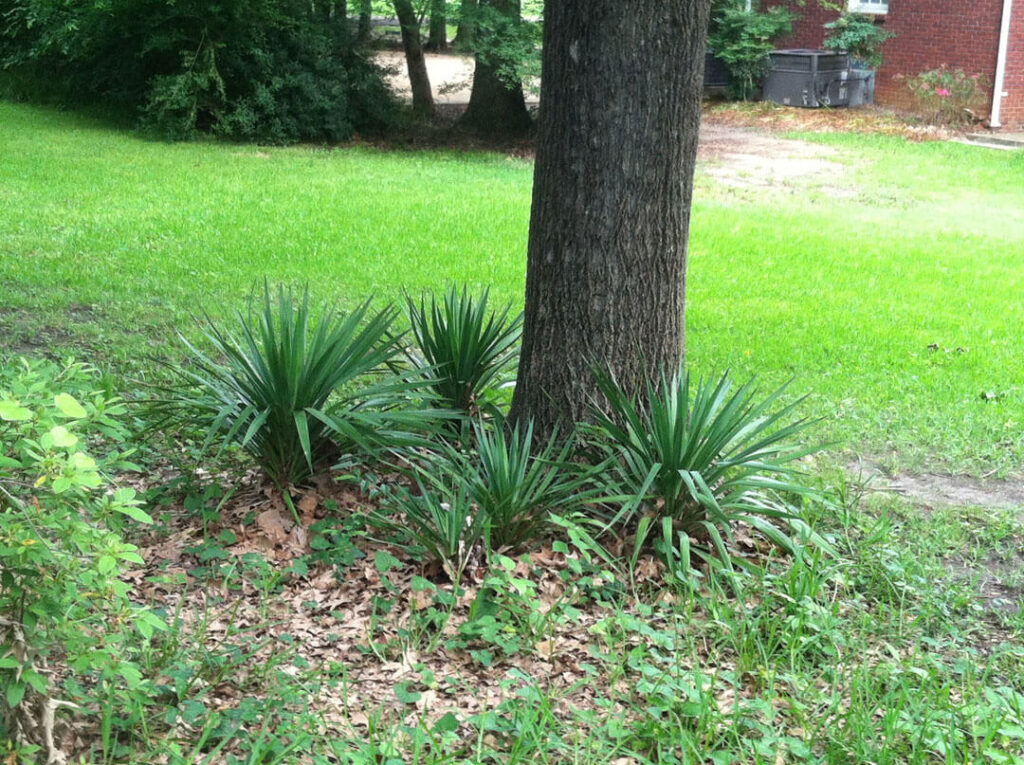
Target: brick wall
[(929, 33)]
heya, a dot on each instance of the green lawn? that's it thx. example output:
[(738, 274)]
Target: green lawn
[(888, 293), (108, 241)]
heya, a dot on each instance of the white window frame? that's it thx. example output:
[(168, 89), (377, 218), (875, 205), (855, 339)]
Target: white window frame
[(878, 7)]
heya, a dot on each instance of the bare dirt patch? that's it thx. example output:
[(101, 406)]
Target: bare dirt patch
[(739, 156), (996, 574), (940, 490), (734, 147), (935, 489), (994, 588)]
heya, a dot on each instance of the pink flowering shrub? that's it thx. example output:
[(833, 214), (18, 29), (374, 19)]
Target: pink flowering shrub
[(948, 96)]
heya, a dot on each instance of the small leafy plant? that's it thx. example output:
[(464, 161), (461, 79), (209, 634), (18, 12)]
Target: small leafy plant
[(61, 601), (698, 458), (507, 614), (466, 350), (948, 96), (289, 390), (742, 39)]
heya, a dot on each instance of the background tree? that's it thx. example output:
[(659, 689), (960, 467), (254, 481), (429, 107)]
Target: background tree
[(437, 37), (613, 180), (500, 43), (365, 21), (464, 33), (330, 9), (419, 80)]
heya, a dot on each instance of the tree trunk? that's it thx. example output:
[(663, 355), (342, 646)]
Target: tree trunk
[(328, 9), (365, 21), (496, 106), (464, 34), (613, 180), (419, 80), (437, 40)]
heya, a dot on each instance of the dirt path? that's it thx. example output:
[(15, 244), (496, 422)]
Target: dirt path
[(451, 77), (941, 490)]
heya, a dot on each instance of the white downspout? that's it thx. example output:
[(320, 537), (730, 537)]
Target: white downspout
[(997, 88)]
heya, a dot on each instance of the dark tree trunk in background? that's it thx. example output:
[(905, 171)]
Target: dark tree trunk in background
[(422, 96), (616, 147), (496, 106), (365, 21), (464, 34), (329, 9), (437, 40)]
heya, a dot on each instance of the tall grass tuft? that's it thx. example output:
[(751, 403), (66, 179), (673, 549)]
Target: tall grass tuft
[(438, 516)]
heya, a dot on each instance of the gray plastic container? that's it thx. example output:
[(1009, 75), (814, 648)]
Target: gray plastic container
[(862, 86), (808, 78)]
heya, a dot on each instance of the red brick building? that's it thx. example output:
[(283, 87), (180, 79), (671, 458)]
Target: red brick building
[(987, 38)]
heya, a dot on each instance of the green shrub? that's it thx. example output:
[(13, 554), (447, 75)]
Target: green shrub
[(742, 39), (466, 350), (500, 493), (858, 35), (274, 71), (294, 393), (61, 601), (516, 483), (697, 459)]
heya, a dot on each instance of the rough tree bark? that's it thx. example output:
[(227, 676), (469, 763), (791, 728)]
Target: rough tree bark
[(496, 106), (437, 38), (613, 180), (419, 80)]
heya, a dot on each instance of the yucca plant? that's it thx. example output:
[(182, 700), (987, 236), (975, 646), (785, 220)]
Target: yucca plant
[(517, 484), (465, 348), (440, 517), (286, 389), (697, 458), (503, 492)]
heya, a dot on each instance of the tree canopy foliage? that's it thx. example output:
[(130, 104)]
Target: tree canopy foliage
[(265, 70)]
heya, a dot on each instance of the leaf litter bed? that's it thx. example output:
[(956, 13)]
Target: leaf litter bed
[(343, 647), (765, 115), (320, 597)]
